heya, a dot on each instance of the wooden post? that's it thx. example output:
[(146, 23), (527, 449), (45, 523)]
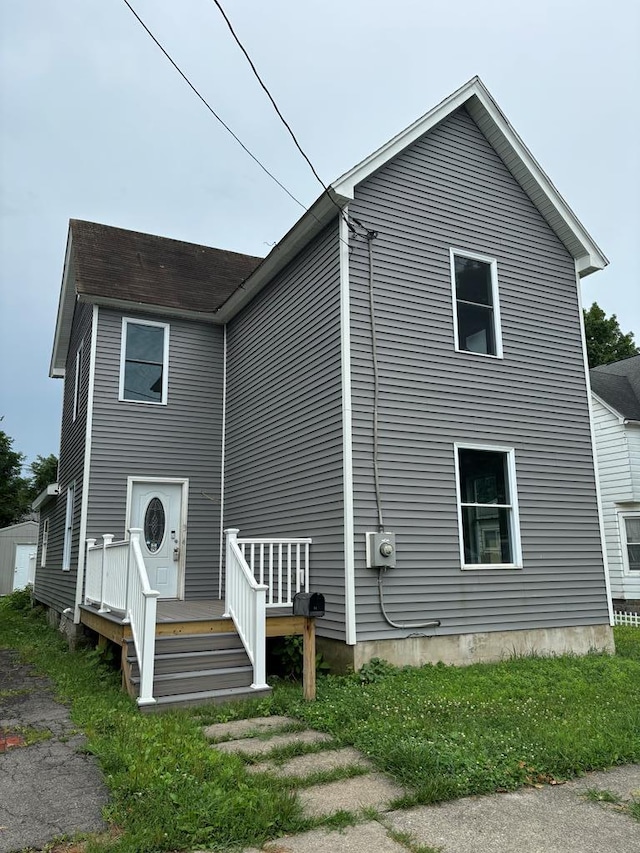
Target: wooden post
[(309, 660)]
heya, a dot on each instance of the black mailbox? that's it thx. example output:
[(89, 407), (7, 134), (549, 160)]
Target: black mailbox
[(308, 604)]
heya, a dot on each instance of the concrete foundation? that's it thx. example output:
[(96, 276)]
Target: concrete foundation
[(463, 649)]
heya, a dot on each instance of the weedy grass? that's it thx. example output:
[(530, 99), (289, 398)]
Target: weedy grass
[(443, 731)]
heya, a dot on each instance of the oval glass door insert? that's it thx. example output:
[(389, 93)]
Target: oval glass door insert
[(154, 525)]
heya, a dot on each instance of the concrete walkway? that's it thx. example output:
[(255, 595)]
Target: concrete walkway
[(551, 819), (49, 788)]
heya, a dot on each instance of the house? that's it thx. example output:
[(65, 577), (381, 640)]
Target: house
[(616, 416), (397, 396), (17, 547)]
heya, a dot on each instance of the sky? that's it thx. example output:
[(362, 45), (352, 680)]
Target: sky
[(96, 124)]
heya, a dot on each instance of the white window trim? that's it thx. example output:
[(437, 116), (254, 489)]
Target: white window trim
[(76, 382), (497, 322), (516, 546), (68, 528), (622, 527), (45, 543), (165, 361)]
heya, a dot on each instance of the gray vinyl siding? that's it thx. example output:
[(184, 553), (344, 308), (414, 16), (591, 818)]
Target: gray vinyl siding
[(284, 417), (54, 587), (181, 439), (450, 190)]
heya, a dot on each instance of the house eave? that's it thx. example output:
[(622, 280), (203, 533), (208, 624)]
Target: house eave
[(64, 316), (318, 216), (514, 154), (51, 491), (126, 305), (609, 407)]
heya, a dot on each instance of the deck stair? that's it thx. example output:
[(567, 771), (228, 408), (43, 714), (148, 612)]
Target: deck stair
[(195, 669)]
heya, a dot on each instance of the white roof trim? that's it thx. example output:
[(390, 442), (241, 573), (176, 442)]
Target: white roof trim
[(608, 407), (513, 152), (65, 315)]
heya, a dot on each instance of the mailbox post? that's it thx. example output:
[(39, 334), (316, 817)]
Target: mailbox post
[(309, 605)]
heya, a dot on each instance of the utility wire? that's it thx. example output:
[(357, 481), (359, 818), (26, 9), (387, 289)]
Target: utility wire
[(280, 116), (208, 105)]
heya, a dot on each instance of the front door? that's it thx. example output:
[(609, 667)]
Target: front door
[(156, 508)]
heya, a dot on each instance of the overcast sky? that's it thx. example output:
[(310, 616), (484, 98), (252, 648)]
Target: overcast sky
[(95, 124)]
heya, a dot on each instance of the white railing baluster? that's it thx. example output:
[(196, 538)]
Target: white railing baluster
[(281, 563)]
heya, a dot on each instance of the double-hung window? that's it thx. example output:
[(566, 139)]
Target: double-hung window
[(630, 530), (144, 361), (68, 528), (476, 316), (487, 507)]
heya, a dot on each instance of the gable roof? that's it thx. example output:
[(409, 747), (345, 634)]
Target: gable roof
[(618, 385), (128, 269), (475, 97)]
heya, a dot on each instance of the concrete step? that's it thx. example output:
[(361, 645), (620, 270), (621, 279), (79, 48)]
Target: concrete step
[(255, 746), (204, 697), (199, 681), (316, 762), (247, 728), (372, 791)]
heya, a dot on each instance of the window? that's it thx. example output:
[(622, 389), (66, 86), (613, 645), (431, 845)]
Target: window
[(144, 358), (45, 542), (68, 529), (76, 383), (475, 297), (630, 524), (487, 507)]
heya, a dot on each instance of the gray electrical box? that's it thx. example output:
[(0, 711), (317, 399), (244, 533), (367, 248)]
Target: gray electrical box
[(381, 550)]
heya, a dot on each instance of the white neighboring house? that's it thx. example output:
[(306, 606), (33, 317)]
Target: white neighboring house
[(616, 415), (18, 544)]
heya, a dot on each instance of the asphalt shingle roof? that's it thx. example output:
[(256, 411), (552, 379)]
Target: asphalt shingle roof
[(113, 263), (618, 384)]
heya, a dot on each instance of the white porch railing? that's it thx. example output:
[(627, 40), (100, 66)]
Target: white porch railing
[(245, 603), (282, 564), (116, 579)]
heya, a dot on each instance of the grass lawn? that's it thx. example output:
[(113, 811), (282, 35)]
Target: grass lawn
[(443, 731)]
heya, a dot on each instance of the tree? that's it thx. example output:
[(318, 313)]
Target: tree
[(15, 496), (44, 471), (605, 340)]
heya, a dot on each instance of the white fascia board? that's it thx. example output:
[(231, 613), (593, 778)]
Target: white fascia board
[(514, 153), (608, 406), (146, 308), (64, 318), (311, 223), (52, 491)]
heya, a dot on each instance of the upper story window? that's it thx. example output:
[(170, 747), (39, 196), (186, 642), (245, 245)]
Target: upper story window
[(144, 360), (487, 507), (630, 523), (76, 382), (476, 316)]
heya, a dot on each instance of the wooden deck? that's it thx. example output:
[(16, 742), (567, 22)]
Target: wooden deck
[(187, 617)]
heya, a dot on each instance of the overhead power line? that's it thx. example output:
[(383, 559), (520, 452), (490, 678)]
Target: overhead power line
[(280, 116), (209, 107)]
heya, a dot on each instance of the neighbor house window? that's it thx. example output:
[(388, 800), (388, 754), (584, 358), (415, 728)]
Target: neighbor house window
[(144, 359), (487, 507), (45, 542), (630, 524), (68, 529), (76, 382), (475, 297)]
